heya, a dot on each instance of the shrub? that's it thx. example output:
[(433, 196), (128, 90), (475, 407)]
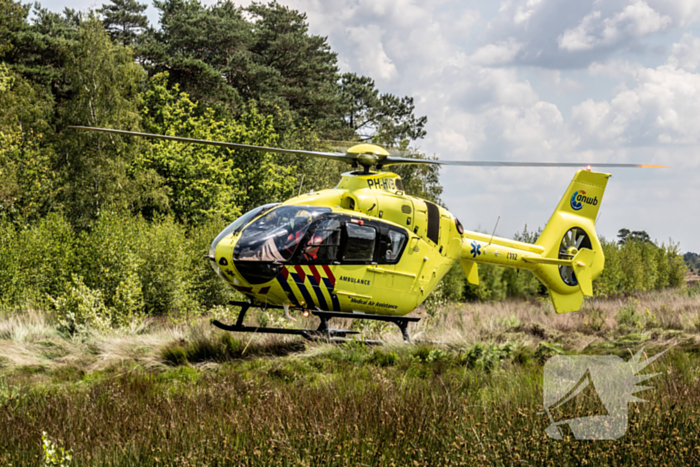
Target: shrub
[(546, 350), (108, 254), (629, 316), (594, 319), (486, 357), (384, 359), (80, 308), (174, 354), (165, 268), (36, 261)]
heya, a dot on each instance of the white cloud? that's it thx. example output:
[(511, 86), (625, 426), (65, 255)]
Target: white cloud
[(686, 53), (523, 13), (660, 107), (496, 54), (635, 20), (372, 58)]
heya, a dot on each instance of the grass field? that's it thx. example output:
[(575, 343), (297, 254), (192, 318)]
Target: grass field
[(188, 394)]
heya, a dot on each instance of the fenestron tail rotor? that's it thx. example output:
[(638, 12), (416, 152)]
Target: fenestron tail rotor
[(572, 241), (364, 154)]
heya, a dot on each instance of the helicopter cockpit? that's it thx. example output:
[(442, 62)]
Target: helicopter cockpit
[(275, 236)]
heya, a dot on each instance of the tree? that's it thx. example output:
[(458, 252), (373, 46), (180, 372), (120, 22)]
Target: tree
[(26, 179), (200, 48), (625, 236), (380, 118), (292, 69), (124, 20), (12, 18), (221, 59), (206, 182), (103, 82), (420, 180), (37, 51)]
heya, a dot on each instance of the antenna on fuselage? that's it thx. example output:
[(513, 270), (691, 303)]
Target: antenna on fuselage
[(494, 230), (301, 184)]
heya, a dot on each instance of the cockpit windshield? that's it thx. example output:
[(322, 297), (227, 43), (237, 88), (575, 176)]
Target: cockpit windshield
[(275, 236)]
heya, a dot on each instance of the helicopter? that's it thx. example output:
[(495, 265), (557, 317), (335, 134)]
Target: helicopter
[(367, 250)]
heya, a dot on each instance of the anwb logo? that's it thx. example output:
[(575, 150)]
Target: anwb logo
[(579, 198), (589, 394)]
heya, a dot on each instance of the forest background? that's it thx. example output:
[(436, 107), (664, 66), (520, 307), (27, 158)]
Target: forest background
[(105, 230)]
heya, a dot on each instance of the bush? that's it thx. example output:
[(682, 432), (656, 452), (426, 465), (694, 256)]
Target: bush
[(36, 261), (165, 268), (638, 265), (629, 316), (109, 255), (207, 287), (487, 357), (594, 319), (80, 308)]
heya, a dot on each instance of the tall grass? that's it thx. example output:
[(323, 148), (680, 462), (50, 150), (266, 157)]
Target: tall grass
[(339, 406), (188, 394)]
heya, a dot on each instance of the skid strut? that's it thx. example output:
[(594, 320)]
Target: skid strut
[(323, 331)]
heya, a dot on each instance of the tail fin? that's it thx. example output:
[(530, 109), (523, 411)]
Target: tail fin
[(570, 235)]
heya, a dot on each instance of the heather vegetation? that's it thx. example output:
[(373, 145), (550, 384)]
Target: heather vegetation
[(188, 394)]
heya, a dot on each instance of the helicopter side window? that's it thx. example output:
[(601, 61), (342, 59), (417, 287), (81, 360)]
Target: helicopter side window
[(322, 245), (391, 246), (360, 242)]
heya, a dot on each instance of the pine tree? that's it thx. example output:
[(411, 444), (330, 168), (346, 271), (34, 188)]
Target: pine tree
[(124, 20)]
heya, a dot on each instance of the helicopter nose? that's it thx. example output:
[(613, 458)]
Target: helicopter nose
[(222, 258), (212, 258)]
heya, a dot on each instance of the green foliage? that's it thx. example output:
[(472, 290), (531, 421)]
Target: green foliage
[(124, 20), (35, 261), (486, 356), (27, 183), (225, 59), (491, 285), (54, 456), (205, 182), (12, 17), (136, 266), (37, 49), (547, 350), (692, 260), (80, 309), (636, 265), (379, 118), (594, 319), (140, 265), (104, 81), (165, 268), (109, 254), (629, 315), (384, 359)]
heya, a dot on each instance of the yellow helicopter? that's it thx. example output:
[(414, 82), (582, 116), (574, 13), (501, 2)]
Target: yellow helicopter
[(367, 250)]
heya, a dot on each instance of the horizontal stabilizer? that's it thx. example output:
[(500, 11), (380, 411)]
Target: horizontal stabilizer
[(471, 271)]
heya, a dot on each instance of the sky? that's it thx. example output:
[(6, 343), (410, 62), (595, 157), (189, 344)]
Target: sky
[(537, 80)]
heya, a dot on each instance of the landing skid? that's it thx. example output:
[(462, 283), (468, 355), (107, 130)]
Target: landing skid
[(323, 332)]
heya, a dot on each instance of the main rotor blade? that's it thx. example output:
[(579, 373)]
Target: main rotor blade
[(327, 155), (403, 160)]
